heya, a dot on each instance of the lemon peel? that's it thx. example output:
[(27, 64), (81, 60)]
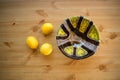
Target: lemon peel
[(47, 28), (46, 49), (32, 42)]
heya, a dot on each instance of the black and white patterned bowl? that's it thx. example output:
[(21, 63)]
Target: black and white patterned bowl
[(77, 37)]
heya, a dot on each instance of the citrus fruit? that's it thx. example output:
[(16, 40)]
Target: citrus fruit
[(47, 28), (32, 42), (46, 49)]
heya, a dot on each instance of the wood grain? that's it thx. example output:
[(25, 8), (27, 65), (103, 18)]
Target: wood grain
[(21, 18)]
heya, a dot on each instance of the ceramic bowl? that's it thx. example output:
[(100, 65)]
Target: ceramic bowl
[(77, 37)]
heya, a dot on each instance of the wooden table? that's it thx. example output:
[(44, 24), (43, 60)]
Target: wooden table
[(21, 18)]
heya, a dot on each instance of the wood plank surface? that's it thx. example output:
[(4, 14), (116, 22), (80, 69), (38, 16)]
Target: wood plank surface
[(21, 18)]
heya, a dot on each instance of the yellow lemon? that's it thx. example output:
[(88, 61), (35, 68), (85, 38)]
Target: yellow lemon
[(46, 49), (32, 42), (47, 28)]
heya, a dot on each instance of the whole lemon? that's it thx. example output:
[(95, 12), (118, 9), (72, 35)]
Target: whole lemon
[(32, 42), (47, 28), (46, 49)]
